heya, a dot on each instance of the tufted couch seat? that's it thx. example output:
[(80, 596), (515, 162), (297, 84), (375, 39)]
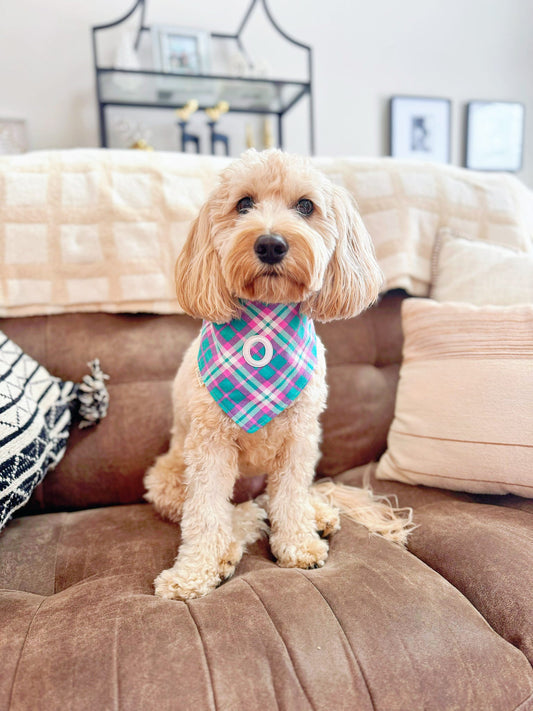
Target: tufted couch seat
[(447, 624)]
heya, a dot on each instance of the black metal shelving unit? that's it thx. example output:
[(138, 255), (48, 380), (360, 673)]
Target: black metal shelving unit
[(168, 90)]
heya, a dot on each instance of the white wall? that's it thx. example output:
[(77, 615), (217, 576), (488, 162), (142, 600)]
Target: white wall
[(364, 52)]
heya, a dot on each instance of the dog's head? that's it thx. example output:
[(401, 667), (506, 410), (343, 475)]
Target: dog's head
[(277, 230)]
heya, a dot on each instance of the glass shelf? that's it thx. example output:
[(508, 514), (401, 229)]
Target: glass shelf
[(165, 90), (146, 88)]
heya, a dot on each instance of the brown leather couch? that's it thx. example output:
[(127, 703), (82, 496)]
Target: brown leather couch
[(445, 625)]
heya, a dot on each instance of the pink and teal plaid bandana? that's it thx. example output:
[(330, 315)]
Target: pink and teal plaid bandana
[(255, 366)]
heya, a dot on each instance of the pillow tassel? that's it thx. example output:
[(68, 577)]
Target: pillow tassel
[(93, 396)]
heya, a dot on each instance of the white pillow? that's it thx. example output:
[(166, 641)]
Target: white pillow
[(477, 272), (464, 408)]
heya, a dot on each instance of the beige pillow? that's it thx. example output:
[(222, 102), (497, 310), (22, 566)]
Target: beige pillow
[(477, 272), (464, 407)]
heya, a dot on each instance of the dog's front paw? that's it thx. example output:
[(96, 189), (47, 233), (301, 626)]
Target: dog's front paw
[(300, 551), (229, 561), (174, 584), (196, 572), (327, 517)]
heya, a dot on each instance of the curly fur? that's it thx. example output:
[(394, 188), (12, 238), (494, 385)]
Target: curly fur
[(331, 270)]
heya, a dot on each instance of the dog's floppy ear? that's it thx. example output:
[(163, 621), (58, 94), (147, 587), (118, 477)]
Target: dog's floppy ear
[(353, 278), (200, 287)]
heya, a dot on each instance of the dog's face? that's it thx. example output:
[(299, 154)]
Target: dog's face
[(277, 230)]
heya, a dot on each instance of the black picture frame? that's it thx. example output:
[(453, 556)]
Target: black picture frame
[(495, 135), (420, 128)]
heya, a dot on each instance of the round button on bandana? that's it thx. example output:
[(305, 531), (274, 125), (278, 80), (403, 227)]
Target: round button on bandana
[(249, 343)]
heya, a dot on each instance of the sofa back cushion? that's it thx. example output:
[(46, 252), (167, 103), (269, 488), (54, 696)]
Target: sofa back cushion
[(141, 353), (99, 230), (471, 271)]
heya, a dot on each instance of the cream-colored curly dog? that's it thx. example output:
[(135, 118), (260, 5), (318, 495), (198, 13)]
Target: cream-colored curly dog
[(274, 232)]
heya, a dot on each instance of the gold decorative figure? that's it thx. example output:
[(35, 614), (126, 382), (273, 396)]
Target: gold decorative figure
[(215, 112), (186, 111), (142, 145)]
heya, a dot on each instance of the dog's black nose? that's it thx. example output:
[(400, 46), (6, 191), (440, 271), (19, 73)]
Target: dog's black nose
[(271, 248)]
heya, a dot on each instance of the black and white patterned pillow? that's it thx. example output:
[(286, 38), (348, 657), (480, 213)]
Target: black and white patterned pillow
[(35, 417)]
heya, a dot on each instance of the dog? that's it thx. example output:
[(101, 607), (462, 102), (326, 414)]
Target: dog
[(276, 246)]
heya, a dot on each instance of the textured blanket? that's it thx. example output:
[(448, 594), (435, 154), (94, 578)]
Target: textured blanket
[(99, 230)]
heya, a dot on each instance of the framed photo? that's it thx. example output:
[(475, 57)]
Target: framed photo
[(13, 136), (181, 50), (420, 128), (494, 135)]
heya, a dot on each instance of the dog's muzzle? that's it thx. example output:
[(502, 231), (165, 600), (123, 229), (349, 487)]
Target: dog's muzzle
[(271, 249)]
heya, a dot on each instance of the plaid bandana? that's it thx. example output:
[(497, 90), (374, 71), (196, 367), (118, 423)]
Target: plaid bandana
[(255, 366)]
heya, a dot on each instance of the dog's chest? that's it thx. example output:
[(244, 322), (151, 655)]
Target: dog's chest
[(260, 451)]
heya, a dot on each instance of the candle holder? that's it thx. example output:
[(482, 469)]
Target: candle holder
[(188, 138), (184, 113), (216, 137), (214, 113)]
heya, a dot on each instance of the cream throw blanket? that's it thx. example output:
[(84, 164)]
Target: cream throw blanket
[(99, 230)]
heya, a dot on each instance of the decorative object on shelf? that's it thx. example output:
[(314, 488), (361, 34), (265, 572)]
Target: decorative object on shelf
[(188, 138), (181, 50), (268, 134), (13, 136), (142, 145), (249, 136), (133, 134), (214, 113), (181, 68), (238, 64), (126, 58), (494, 135), (184, 114), (420, 128)]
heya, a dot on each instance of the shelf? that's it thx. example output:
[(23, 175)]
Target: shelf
[(166, 90), (148, 87)]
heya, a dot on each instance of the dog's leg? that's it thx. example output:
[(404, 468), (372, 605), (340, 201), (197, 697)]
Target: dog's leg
[(208, 552), (165, 483), (294, 539), (249, 523)]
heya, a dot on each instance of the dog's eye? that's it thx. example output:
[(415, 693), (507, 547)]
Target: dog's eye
[(244, 205), (304, 207)]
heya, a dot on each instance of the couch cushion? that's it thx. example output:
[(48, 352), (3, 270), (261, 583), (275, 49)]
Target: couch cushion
[(476, 272), (363, 359), (269, 638), (141, 353), (482, 544), (463, 417)]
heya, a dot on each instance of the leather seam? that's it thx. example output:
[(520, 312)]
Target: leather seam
[(211, 685), (363, 675), (22, 651), (521, 706), (59, 537), (302, 687)]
